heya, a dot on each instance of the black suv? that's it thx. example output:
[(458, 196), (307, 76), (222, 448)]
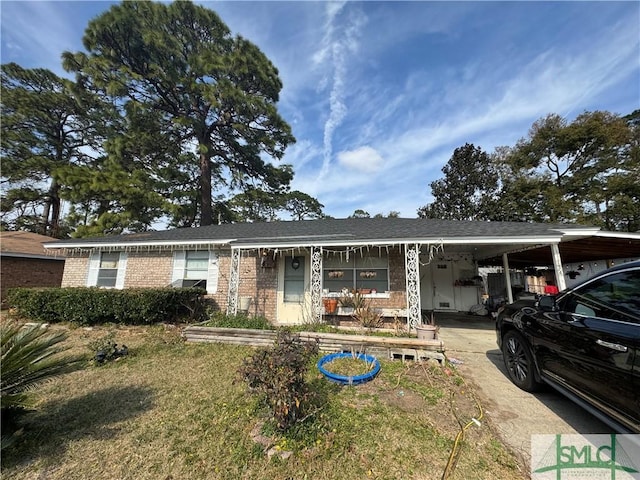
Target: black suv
[(584, 342)]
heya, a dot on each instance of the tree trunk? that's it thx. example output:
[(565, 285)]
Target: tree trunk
[(206, 210), (54, 197), (45, 213)]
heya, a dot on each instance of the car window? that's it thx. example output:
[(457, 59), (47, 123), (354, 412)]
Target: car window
[(615, 296)]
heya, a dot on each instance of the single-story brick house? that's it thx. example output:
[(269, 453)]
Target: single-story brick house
[(286, 269), (25, 263)]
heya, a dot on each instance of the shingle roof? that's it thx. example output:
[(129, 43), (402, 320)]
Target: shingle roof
[(24, 244), (324, 231)]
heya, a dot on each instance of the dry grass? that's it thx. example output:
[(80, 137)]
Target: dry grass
[(176, 411)]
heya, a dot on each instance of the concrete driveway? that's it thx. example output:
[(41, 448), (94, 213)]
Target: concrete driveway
[(516, 414)]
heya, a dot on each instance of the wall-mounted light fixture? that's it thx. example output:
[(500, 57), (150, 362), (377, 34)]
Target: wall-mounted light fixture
[(295, 263)]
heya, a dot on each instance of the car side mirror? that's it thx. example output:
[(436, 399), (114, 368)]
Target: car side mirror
[(547, 303)]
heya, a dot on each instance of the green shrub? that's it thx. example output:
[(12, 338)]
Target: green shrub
[(240, 320), (94, 306), (278, 373), (29, 357)]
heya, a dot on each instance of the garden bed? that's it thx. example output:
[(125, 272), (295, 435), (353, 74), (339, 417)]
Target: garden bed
[(384, 347)]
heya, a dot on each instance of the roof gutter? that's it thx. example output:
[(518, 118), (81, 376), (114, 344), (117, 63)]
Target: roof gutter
[(398, 241), (157, 243), (31, 256), (624, 235), (309, 242)]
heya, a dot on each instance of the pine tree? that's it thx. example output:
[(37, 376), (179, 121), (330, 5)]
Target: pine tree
[(217, 92)]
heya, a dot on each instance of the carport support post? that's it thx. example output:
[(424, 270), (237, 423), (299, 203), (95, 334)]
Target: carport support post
[(507, 277), (557, 266)]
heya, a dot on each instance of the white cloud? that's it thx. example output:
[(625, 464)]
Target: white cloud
[(364, 159), (341, 44)]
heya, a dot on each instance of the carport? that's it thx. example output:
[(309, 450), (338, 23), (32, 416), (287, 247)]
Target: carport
[(574, 247)]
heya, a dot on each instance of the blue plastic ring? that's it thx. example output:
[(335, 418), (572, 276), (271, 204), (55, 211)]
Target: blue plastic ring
[(345, 379)]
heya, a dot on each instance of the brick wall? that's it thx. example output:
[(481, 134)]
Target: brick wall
[(29, 272), (153, 269), (255, 282), (75, 271), (148, 269)]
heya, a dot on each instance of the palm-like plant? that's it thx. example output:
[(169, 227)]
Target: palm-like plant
[(29, 357)]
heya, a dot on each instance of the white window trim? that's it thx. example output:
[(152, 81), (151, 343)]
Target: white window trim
[(180, 265), (94, 270)]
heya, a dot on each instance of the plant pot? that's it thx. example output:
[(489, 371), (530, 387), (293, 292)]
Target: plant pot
[(244, 304), (427, 332), (330, 305)]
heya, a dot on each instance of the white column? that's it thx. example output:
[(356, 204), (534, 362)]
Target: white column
[(316, 283), (557, 266), (234, 281), (507, 277), (412, 271)]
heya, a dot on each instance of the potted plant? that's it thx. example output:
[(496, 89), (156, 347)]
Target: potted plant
[(428, 330), (330, 305), (368, 317), (348, 303)]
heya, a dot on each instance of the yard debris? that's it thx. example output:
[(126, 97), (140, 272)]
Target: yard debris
[(455, 361)]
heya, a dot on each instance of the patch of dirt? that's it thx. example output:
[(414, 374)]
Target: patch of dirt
[(407, 401)]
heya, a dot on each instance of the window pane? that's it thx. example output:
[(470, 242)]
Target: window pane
[(109, 260), (107, 277), (196, 265), (368, 271), (371, 278), (615, 296), (336, 280), (372, 262), (294, 280), (195, 283), (335, 261), (293, 291)]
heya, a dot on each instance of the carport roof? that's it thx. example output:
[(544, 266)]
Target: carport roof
[(601, 246)]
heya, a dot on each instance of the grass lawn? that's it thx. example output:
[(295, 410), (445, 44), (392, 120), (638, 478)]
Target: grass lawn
[(172, 410)]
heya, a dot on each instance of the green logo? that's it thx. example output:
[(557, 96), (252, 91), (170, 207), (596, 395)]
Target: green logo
[(558, 457)]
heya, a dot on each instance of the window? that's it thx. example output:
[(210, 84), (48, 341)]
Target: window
[(195, 268), (614, 296), (294, 279), (368, 272), (107, 269)]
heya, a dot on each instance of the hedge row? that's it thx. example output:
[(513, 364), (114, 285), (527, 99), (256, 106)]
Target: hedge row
[(93, 306)]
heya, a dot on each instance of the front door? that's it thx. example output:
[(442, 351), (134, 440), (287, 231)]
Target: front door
[(443, 292), (293, 292)]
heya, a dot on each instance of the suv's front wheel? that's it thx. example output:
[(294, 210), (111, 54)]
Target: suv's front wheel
[(518, 360)]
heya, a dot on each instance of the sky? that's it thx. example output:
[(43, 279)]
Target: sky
[(379, 94)]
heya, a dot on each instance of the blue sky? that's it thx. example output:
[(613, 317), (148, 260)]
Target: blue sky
[(379, 94)]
